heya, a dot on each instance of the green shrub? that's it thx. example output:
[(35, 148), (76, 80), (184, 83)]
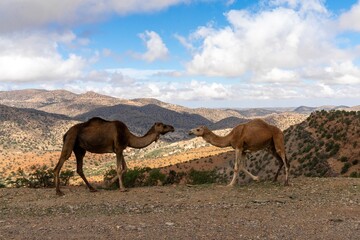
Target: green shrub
[(131, 178), (155, 177), (173, 177), (41, 176), (345, 168), (354, 175), (202, 177)]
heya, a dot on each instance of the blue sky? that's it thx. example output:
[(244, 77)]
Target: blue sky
[(197, 53)]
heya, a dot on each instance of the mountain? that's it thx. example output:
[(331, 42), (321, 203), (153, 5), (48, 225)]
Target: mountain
[(308, 110), (29, 130), (71, 104), (229, 122), (58, 101), (140, 118), (256, 112)]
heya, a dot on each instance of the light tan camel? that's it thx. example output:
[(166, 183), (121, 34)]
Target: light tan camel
[(249, 137), (100, 136)]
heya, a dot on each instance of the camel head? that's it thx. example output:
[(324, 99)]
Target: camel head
[(163, 128), (199, 131)]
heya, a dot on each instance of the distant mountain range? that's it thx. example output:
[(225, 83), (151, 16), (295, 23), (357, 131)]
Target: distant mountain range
[(139, 114)]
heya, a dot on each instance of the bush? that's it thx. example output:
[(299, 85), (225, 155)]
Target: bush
[(345, 168), (41, 176), (174, 177), (131, 178), (138, 177), (155, 178), (135, 177), (202, 177), (354, 175)]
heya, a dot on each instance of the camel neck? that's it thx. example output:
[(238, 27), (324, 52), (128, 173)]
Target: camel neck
[(144, 141), (218, 141)]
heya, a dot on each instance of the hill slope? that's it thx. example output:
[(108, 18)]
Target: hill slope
[(27, 130), (140, 118), (325, 144)]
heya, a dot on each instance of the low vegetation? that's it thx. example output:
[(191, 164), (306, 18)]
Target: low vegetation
[(324, 136), (139, 177), (39, 176)]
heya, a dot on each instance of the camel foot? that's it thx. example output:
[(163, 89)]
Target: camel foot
[(230, 185), (60, 193), (123, 190), (286, 184), (256, 178), (93, 190)]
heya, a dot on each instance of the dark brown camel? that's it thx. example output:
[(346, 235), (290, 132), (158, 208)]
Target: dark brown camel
[(100, 136), (249, 137)]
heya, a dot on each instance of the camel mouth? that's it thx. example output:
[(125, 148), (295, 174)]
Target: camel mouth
[(191, 133), (172, 129), (169, 129)]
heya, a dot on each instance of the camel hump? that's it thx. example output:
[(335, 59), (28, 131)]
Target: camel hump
[(97, 119)]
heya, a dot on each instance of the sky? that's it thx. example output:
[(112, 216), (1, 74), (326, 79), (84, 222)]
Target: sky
[(196, 53)]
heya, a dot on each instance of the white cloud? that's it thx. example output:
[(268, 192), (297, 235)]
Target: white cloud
[(289, 41), (35, 57), (25, 14), (183, 41), (276, 75), (302, 5), (156, 49), (351, 20), (142, 74)]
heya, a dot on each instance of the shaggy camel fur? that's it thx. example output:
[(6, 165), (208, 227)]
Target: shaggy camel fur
[(249, 137), (100, 136)]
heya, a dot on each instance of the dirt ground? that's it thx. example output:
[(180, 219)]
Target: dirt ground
[(311, 208)]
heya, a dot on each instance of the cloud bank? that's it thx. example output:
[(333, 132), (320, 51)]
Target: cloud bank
[(280, 49)]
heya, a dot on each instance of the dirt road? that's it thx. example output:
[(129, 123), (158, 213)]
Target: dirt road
[(312, 208)]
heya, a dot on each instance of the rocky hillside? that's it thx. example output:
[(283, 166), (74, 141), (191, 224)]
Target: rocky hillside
[(29, 130), (71, 104), (57, 101), (325, 144), (140, 118)]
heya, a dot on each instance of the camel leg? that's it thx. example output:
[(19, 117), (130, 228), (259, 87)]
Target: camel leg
[(280, 151), (121, 168), (281, 164), (236, 167), (243, 167), (65, 154), (79, 154)]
